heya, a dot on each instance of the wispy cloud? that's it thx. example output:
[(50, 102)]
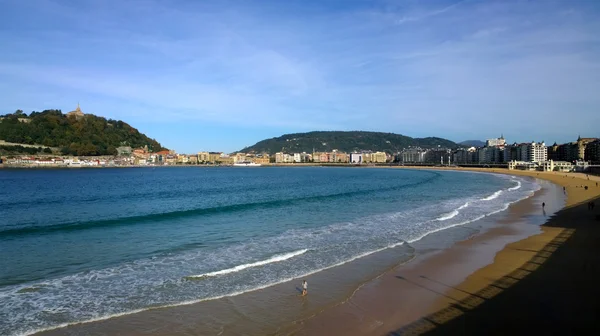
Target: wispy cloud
[(421, 68)]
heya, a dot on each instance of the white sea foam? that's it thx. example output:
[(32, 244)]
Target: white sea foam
[(447, 216), (463, 206), (515, 187), (492, 196), (190, 302), (274, 259)]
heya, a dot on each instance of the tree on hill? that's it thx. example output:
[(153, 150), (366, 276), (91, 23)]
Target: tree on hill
[(87, 135), (344, 141)]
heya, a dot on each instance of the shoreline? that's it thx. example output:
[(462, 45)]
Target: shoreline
[(190, 312), (418, 298)]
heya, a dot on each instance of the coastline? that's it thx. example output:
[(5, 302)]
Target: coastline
[(424, 295), (167, 319)]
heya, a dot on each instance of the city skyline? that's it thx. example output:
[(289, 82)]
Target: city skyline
[(223, 76)]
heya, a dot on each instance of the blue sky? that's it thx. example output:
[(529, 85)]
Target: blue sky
[(221, 75)]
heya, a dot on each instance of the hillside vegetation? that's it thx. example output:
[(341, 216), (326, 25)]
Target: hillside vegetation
[(75, 135), (344, 141)]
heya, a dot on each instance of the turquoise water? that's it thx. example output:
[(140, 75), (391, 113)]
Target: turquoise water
[(80, 245)]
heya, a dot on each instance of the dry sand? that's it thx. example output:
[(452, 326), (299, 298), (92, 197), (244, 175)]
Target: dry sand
[(544, 283)]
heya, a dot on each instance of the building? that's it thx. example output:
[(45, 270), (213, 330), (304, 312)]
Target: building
[(533, 152), (356, 158), (413, 155), (284, 158), (240, 157), (437, 156), (490, 154), (214, 157), (203, 157), (77, 113), (124, 151), (522, 165), (560, 166), (581, 146), (379, 157), (592, 152), (498, 142), (465, 156)]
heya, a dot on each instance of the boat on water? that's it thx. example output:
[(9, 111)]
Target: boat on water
[(246, 164)]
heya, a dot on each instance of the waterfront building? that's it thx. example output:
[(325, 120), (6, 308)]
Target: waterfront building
[(465, 156), (203, 157), (437, 156), (592, 151), (356, 158), (413, 155), (214, 157), (490, 154), (496, 142), (522, 165), (378, 157), (534, 152), (560, 166)]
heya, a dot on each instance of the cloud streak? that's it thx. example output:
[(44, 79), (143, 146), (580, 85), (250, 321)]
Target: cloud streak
[(422, 69)]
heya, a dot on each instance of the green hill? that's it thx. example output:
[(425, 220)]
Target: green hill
[(74, 133), (344, 141)]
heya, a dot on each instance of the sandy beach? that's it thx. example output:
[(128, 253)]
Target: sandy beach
[(544, 282), (511, 277)]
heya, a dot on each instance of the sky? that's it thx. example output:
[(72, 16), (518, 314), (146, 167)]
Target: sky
[(222, 75)]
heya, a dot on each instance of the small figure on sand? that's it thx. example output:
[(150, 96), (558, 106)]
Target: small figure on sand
[(304, 288), (543, 205)]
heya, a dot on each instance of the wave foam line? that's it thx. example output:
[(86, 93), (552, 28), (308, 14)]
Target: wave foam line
[(515, 187), (186, 303), (274, 259), (492, 196), (447, 216), (463, 206), (504, 207)]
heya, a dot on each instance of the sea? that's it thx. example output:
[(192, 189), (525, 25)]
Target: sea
[(81, 245)]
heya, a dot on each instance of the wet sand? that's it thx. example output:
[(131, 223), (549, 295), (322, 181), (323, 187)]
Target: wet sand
[(484, 286), (389, 297)]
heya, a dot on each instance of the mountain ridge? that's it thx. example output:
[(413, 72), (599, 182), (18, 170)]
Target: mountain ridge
[(346, 141)]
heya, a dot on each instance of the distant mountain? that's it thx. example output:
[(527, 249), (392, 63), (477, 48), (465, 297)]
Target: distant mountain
[(73, 133), (344, 141), (472, 143)]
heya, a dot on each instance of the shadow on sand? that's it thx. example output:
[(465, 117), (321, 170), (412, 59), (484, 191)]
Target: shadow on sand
[(557, 291)]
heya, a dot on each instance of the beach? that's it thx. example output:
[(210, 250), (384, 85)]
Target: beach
[(543, 282), (391, 291)]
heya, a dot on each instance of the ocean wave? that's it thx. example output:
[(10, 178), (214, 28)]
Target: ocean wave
[(31, 331), (274, 259), (447, 216), (492, 196), (515, 187), (166, 216), (463, 206)]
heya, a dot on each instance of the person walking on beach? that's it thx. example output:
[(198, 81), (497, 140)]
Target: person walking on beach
[(543, 205), (304, 288)]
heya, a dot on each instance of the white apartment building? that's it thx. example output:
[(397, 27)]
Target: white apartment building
[(497, 142), (356, 158), (534, 152)]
